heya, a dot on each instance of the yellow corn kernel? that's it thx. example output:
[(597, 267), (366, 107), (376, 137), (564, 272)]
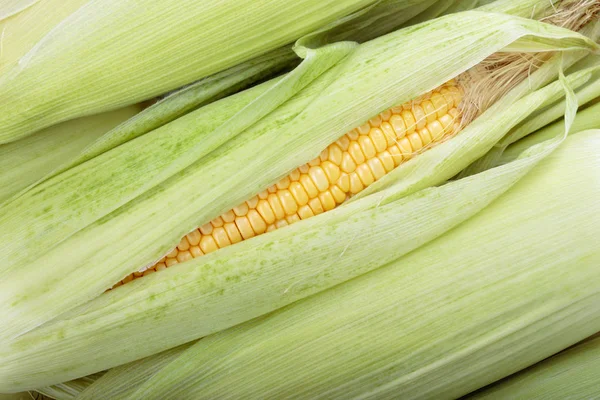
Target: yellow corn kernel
[(229, 216), (386, 160), (208, 244), (244, 227), (288, 202), (256, 222), (376, 168), (232, 232), (327, 200), (398, 125), (367, 146), (348, 165), (425, 136), (365, 175), (344, 182), (206, 229), (184, 256), (276, 206), (264, 209), (305, 212), (183, 244), (308, 186), (389, 133), (335, 154), (356, 153), (316, 206), (364, 129), (331, 170), (378, 138)]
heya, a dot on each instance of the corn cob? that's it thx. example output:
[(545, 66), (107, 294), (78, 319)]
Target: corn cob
[(383, 101), (343, 169)]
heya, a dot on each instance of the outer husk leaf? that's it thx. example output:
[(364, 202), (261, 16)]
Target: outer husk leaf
[(588, 118), (26, 161), (498, 293), (12, 7), (187, 41), (571, 374)]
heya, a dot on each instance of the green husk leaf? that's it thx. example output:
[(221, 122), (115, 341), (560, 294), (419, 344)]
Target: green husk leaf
[(12, 7), (69, 390), (112, 386), (571, 374), (437, 323), (217, 288), (186, 43), (21, 31), (586, 119), (188, 99), (26, 161)]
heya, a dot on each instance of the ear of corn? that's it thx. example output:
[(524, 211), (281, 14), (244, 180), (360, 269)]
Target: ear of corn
[(571, 374), (121, 377), (218, 287), (25, 162), (189, 34), (441, 321)]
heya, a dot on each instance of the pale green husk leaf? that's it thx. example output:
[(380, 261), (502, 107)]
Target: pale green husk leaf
[(571, 374), (12, 7), (163, 45), (26, 161)]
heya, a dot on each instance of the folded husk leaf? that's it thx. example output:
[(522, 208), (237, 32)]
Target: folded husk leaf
[(20, 31), (510, 287), (26, 161), (12, 7), (163, 45), (588, 118), (571, 374)]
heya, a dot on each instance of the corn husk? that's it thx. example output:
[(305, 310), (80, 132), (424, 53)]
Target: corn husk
[(588, 118), (510, 287), (571, 374), (97, 245), (68, 390), (27, 161), (12, 7), (25, 22)]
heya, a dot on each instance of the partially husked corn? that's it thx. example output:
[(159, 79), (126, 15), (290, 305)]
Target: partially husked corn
[(346, 167)]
